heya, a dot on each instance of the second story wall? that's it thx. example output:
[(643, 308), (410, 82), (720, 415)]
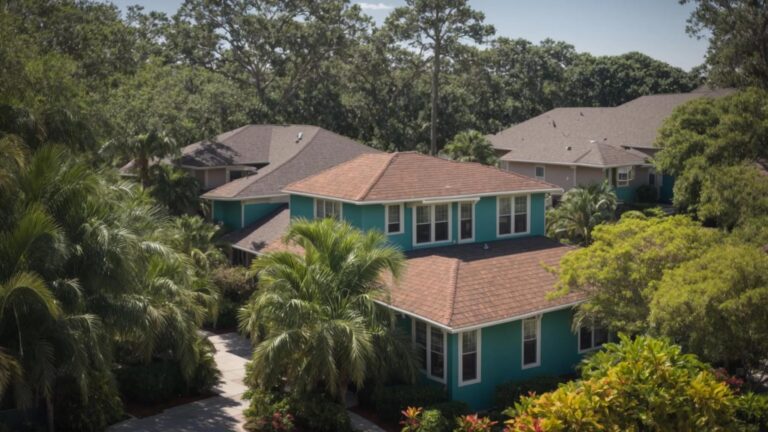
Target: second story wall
[(484, 218)]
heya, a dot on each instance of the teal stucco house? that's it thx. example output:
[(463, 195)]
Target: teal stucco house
[(474, 293)]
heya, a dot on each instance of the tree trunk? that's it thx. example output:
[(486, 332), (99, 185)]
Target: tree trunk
[(142, 164), (49, 413), (435, 88)]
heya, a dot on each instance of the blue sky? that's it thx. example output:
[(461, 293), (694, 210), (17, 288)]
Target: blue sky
[(601, 27)]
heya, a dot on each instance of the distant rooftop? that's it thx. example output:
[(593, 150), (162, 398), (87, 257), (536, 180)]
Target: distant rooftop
[(283, 154), (599, 137), (410, 176)]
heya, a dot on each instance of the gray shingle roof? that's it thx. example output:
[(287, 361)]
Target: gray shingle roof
[(258, 235), (288, 160), (593, 136)]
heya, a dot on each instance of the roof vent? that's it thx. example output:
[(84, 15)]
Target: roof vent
[(299, 136), (569, 148), (592, 141), (554, 125)]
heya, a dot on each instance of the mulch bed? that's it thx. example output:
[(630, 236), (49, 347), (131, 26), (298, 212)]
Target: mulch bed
[(370, 414), (143, 410)]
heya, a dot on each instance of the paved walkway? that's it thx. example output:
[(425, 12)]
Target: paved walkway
[(218, 413)]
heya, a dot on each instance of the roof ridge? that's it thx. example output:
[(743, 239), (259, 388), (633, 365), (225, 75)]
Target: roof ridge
[(454, 281), (376, 179), (309, 141)]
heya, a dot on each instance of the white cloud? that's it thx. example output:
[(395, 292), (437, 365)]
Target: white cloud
[(374, 6)]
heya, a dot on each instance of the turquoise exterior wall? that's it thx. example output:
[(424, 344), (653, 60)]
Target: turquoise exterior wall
[(302, 207), (501, 357), (254, 212), (667, 187), (625, 194), (371, 216), (228, 213)]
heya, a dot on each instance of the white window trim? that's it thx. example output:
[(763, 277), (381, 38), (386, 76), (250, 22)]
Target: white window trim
[(538, 343), (432, 224), (630, 176), (314, 207), (527, 214), (592, 344), (461, 358), (458, 231), (402, 218), (428, 370), (543, 170)]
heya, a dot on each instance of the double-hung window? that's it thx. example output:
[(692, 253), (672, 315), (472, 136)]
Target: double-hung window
[(430, 345), (512, 215), (624, 175), (432, 223), (327, 209), (466, 222), (394, 217), (469, 357), (592, 336), (540, 172), (531, 342)]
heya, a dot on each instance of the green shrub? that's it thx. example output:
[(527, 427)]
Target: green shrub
[(433, 420), (267, 412), (451, 410), (318, 413), (235, 286), (647, 194), (752, 409), (150, 383), (389, 401), (99, 409), (508, 394), (206, 374)]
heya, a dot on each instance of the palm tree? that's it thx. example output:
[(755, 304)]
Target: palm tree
[(580, 210), (470, 146), (143, 148), (175, 188), (314, 320)]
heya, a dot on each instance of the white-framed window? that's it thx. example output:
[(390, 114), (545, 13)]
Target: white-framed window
[(540, 173), (394, 217), (433, 223), (513, 212), (466, 221), (624, 175), (531, 349), (469, 357), (327, 209), (592, 337), (430, 343)]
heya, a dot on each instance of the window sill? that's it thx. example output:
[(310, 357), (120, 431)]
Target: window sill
[(520, 234), (531, 366), (468, 383), (396, 233), (441, 242)]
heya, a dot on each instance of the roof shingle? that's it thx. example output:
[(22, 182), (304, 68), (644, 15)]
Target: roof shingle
[(287, 158), (410, 175), (593, 136), (467, 285)]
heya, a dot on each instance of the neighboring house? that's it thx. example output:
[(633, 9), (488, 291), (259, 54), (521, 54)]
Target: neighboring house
[(474, 292), (580, 146), (250, 166)]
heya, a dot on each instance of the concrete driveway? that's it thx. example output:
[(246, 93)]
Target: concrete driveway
[(219, 413)]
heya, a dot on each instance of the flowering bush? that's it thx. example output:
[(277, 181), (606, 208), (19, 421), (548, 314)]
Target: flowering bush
[(474, 423), (640, 384), (418, 420)]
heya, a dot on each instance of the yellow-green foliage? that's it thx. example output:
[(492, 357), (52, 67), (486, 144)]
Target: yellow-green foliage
[(644, 384), (717, 305), (621, 269)]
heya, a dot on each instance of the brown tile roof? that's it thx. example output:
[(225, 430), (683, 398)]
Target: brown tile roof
[(593, 136), (289, 161), (259, 235), (410, 175), (466, 285)]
